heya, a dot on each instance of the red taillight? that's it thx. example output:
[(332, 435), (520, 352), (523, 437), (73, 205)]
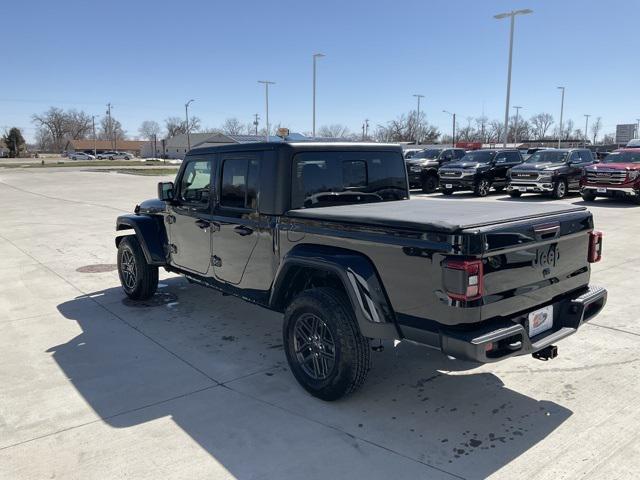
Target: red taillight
[(595, 247), (463, 279)]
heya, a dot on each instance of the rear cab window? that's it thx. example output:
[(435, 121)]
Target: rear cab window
[(338, 178)]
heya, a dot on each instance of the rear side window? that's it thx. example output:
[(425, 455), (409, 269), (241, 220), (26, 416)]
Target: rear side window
[(240, 182), (338, 178)]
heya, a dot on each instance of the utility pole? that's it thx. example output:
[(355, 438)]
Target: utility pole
[(515, 135), (266, 84), (365, 129), (187, 126), (93, 126), (109, 126), (256, 117), (315, 57), (638, 128), (453, 136), (512, 17), (561, 113), (586, 126), (418, 96)]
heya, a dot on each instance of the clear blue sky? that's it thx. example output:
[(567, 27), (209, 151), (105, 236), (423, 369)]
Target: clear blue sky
[(148, 57)]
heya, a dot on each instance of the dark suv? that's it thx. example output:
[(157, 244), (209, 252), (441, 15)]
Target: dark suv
[(554, 172), (478, 171), (423, 167)]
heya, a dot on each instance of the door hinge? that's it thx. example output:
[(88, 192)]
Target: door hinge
[(216, 261)]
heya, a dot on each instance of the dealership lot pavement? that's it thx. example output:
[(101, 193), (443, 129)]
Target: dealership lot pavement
[(195, 385)]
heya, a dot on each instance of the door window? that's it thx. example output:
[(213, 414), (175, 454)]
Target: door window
[(196, 182), (501, 158), (240, 183), (459, 154)]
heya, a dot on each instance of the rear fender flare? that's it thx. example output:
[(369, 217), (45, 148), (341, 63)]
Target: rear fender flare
[(358, 277), (151, 233)]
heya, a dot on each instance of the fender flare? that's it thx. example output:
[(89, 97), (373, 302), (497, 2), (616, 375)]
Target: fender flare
[(360, 279), (151, 234)]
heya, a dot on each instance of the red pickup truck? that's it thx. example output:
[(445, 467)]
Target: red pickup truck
[(617, 175)]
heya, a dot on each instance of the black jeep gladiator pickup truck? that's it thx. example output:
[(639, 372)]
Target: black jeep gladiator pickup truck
[(327, 235)]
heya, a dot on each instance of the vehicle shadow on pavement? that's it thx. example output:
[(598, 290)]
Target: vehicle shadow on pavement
[(239, 402)]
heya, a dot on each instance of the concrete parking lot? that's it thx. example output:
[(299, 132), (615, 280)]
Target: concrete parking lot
[(195, 385)]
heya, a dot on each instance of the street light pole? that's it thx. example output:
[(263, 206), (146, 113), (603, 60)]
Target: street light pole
[(187, 126), (512, 16), (418, 96), (315, 57), (638, 128), (515, 130), (93, 126), (109, 124), (561, 114), (586, 126), (266, 84), (453, 136)]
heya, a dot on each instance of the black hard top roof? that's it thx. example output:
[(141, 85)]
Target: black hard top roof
[(299, 146)]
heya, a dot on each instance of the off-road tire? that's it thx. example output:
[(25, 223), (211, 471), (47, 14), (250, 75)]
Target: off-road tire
[(559, 189), (482, 188), (352, 352), (588, 196), (515, 194), (429, 184), (145, 276)]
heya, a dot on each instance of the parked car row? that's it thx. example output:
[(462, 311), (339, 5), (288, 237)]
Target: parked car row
[(550, 171), (100, 156)]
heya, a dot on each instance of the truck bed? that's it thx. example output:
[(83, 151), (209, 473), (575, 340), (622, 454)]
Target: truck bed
[(446, 216)]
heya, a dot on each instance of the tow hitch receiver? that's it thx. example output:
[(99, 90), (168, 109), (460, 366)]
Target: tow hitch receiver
[(547, 353)]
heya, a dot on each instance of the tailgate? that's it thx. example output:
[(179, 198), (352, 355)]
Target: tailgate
[(528, 264)]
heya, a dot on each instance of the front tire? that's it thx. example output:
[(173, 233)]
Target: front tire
[(325, 350), (139, 280), (482, 187), (588, 196), (559, 189), (429, 184)]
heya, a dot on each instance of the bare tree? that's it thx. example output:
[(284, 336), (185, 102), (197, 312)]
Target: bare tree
[(233, 126), (595, 128), (149, 129), (481, 128), (406, 128), (335, 130), (609, 138), (496, 129), (540, 124), (176, 126), (78, 124), (111, 132), (567, 129), (54, 121)]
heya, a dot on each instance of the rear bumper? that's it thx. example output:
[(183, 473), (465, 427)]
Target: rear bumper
[(498, 339), (534, 187)]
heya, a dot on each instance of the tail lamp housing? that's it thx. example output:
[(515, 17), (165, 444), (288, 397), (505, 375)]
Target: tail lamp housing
[(463, 279), (595, 247)]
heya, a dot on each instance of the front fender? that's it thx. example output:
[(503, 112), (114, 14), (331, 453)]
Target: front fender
[(358, 276), (151, 234)]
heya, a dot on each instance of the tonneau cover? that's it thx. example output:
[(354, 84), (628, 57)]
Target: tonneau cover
[(446, 215)]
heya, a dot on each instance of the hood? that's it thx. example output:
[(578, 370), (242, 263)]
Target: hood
[(151, 206), (464, 165), (421, 161), (539, 166), (614, 166)]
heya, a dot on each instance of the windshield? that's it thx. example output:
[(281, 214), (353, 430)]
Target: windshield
[(548, 156), (430, 153), (322, 179), (622, 157), (478, 157)]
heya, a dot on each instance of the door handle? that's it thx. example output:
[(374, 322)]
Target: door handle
[(243, 230), (203, 224)]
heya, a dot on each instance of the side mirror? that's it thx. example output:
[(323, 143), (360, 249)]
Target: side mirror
[(166, 191)]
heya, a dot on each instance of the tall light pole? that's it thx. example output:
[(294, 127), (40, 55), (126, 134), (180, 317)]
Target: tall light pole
[(586, 126), (418, 96), (187, 126), (561, 114), (638, 128), (515, 130), (109, 126), (316, 56), (266, 84), (453, 136), (512, 16), (93, 126)]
